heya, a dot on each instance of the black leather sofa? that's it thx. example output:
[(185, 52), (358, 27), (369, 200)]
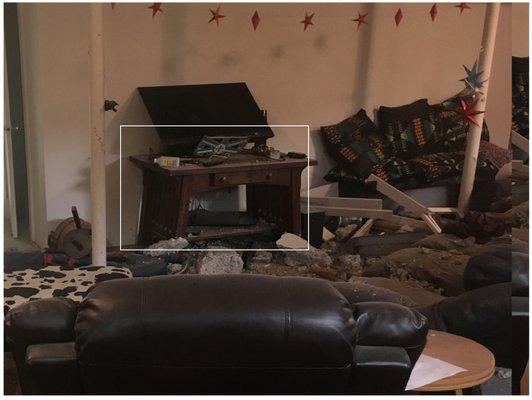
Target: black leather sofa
[(231, 334)]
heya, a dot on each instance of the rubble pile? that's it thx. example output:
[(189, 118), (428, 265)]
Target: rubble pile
[(419, 266)]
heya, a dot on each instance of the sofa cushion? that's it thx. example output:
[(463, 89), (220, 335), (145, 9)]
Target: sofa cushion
[(395, 171), (438, 166), (491, 158), (400, 173), (355, 143), (452, 130), (410, 129)]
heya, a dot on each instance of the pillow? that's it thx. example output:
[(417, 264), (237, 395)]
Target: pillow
[(491, 158), (355, 143), (397, 172), (339, 174), (451, 128), (410, 129), (400, 173), (438, 166)]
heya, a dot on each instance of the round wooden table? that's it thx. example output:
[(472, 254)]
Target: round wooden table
[(477, 360)]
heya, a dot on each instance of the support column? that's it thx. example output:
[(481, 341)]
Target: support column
[(97, 174), (474, 134)]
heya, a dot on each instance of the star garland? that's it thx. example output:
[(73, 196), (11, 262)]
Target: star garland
[(155, 7), (307, 21), (468, 112), (216, 16), (473, 79), (361, 19)]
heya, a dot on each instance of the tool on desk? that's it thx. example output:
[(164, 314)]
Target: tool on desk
[(218, 145), (295, 154), (167, 162)]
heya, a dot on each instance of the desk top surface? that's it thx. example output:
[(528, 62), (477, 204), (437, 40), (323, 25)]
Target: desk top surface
[(239, 162), (466, 353)]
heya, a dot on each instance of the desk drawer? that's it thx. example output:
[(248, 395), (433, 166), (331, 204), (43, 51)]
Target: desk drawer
[(275, 177)]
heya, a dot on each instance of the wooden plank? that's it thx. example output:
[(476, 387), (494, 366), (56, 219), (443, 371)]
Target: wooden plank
[(364, 229), (348, 202), (354, 212), (443, 210), (414, 223), (433, 225), (399, 197), (519, 141), (521, 234), (524, 381), (220, 232), (330, 189), (392, 238), (327, 234), (518, 165)]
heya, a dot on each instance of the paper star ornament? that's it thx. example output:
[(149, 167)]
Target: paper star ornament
[(155, 7), (216, 16), (307, 21), (468, 112), (361, 19)]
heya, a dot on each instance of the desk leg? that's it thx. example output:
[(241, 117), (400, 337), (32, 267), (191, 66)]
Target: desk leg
[(143, 224), (294, 202), (185, 193)]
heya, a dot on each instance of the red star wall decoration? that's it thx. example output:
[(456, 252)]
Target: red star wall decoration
[(255, 20), (307, 21), (433, 12), (468, 113), (398, 17), (361, 19), (462, 7), (216, 16), (156, 7)]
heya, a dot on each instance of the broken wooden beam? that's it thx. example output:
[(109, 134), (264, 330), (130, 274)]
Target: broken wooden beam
[(347, 202), (364, 229), (519, 141), (354, 212), (431, 222), (416, 208)]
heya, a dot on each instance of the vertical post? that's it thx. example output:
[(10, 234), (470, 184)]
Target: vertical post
[(97, 174), (474, 134)]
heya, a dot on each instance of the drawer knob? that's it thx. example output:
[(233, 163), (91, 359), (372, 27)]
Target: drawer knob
[(222, 179), (269, 175)]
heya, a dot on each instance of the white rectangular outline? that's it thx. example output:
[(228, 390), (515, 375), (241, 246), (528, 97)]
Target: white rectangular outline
[(215, 126)]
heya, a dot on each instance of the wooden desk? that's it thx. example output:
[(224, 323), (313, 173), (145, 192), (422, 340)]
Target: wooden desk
[(272, 192), (472, 356)]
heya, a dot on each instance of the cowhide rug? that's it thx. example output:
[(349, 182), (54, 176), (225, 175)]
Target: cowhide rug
[(55, 281)]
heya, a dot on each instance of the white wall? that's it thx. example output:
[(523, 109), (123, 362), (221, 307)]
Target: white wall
[(520, 12), (316, 77)]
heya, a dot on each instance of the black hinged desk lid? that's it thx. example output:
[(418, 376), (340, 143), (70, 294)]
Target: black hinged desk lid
[(212, 104)]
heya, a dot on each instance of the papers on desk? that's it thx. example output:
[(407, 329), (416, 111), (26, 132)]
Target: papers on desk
[(429, 369)]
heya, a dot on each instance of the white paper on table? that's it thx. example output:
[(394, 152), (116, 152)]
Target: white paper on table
[(429, 369)]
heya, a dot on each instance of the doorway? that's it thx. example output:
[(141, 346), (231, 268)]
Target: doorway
[(16, 212)]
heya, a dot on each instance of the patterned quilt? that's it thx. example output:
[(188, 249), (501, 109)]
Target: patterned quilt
[(55, 281)]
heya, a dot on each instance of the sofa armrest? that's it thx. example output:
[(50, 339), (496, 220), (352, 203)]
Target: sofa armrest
[(42, 321), (53, 369), (394, 325), (373, 364)]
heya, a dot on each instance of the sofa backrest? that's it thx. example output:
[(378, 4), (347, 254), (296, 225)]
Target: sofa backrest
[(232, 332)]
